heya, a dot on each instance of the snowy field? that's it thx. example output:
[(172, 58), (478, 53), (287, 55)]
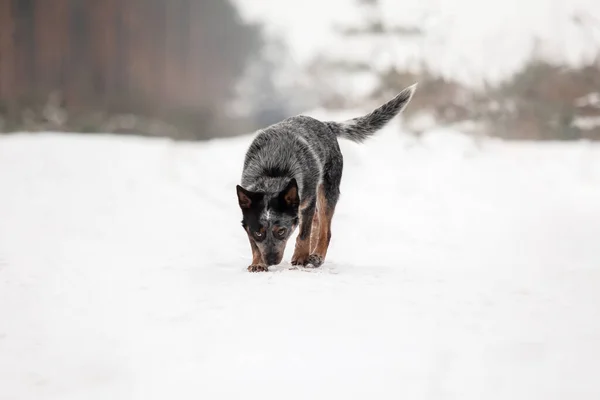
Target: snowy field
[(456, 270)]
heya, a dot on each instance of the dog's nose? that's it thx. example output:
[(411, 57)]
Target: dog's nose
[(272, 259)]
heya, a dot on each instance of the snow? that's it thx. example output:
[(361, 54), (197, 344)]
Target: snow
[(587, 122), (456, 270)]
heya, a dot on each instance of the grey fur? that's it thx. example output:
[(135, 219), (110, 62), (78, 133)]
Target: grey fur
[(307, 150), (359, 129)]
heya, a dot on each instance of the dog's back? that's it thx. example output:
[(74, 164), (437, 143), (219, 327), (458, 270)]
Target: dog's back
[(297, 147), (302, 147)]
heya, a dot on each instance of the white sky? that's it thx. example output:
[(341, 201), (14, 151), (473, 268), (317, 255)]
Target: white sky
[(468, 39)]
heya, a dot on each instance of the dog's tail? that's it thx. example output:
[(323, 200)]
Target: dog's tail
[(359, 129)]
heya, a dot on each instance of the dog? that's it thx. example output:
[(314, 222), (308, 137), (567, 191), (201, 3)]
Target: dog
[(291, 177)]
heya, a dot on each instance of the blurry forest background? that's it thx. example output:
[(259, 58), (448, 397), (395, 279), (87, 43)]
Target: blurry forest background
[(199, 69)]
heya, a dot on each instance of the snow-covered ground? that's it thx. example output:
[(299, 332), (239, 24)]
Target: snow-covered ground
[(456, 270)]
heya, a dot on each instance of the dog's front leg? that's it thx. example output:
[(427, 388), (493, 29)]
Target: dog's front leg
[(302, 250), (258, 265)]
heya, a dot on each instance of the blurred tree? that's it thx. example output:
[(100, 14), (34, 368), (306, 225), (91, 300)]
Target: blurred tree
[(141, 66), (547, 101), (260, 97), (441, 99), (378, 41)]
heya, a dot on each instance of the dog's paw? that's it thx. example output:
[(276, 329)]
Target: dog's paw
[(314, 261), (299, 259), (258, 268)]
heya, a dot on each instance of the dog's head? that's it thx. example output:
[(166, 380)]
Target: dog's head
[(270, 219)]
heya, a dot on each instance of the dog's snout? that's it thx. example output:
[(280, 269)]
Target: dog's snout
[(273, 259)]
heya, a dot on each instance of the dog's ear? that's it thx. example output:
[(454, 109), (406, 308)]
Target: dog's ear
[(290, 194), (245, 197)]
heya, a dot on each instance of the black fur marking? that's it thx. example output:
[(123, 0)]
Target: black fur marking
[(251, 214), (275, 171)]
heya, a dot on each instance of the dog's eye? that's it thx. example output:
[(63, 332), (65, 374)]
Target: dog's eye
[(281, 232), (258, 234)]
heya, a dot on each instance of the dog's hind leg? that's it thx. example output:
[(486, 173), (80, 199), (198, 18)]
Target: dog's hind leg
[(314, 234), (322, 232), (327, 197), (302, 250)]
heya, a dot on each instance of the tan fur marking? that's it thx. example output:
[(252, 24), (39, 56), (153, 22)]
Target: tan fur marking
[(314, 234), (256, 257), (324, 229), (302, 248), (304, 204), (291, 196), (301, 251)]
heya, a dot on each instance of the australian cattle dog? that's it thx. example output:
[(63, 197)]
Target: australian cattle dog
[(291, 176)]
